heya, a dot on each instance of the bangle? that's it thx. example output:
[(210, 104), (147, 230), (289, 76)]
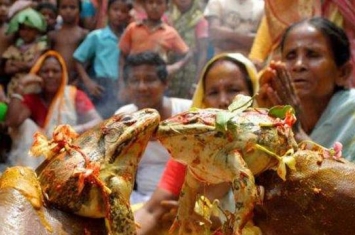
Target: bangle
[(17, 96)]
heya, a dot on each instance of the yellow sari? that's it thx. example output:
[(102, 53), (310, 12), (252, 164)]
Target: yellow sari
[(197, 100)]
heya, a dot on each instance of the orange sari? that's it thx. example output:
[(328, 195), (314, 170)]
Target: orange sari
[(62, 108)]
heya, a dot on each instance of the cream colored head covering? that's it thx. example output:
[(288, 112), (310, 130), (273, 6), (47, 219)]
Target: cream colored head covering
[(197, 100)]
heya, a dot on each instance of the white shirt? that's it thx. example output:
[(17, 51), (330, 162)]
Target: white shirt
[(154, 158)]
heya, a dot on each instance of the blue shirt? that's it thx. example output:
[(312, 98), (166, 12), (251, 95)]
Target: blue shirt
[(100, 49)]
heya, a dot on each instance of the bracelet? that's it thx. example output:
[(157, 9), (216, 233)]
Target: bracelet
[(17, 96)]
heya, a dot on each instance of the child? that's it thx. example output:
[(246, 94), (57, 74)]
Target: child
[(5, 40), (187, 18), (27, 24), (138, 13), (154, 35), (146, 79), (66, 39), (100, 50), (50, 13)]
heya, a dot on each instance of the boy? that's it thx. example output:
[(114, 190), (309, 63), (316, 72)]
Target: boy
[(100, 50), (50, 13), (5, 40), (69, 36), (154, 35), (146, 80)]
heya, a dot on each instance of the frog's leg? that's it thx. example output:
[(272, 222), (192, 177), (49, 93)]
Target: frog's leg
[(119, 219), (185, 221), (245, 195)]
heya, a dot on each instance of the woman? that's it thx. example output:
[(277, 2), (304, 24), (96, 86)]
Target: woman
[(281, 14), (188, 20), (224, 76), (313, 79), (56, 103)]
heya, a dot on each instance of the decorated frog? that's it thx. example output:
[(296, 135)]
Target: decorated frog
[(93, 174), (316, 198), (23, 210), (228, 146)]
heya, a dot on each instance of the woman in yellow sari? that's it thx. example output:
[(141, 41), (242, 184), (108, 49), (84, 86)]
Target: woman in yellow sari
[(222, 78), (55, 103)]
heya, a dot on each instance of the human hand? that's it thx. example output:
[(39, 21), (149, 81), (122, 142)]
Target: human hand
[(276, 87), (30, 79), (283, 85), (265, 96), (94, 89), (29, 83), (171, 208)]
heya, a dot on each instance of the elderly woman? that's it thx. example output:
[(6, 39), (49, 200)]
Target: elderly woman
[(55, 103), (313, 78)]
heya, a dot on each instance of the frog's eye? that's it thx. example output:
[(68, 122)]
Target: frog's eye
[(127, 119)]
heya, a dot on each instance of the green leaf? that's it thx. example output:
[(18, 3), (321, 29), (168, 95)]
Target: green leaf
[(222, 119), (240, 103), (280, 111)]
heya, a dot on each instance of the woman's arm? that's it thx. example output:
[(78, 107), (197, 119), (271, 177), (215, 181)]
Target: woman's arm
[(18, 110)]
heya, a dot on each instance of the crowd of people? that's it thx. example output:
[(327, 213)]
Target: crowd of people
[(79, 62)]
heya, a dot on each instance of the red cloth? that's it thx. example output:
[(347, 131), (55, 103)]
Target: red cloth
[(39, 111), (173, 177)]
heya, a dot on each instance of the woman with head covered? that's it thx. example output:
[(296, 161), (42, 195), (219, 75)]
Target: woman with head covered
[(55, 103), (313, 76), (223, 77)]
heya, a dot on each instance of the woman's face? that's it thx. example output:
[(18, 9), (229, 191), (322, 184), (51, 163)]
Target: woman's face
[(51, 73), (145, 88), (223, 82), (183, 5), (309, 58)]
